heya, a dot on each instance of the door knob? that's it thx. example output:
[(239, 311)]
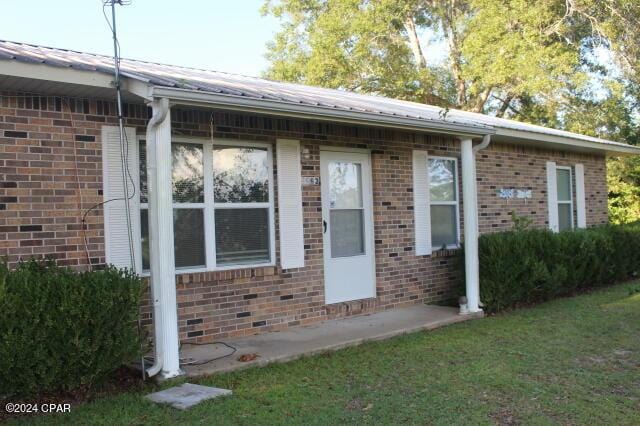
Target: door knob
[(324, 226)]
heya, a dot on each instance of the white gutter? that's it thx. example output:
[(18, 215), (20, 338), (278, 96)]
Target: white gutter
[(568, 141), (160, 109), (314, 112), (562, 142)]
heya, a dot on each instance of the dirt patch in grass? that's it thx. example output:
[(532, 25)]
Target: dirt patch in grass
[(505, 417), (617, 359)]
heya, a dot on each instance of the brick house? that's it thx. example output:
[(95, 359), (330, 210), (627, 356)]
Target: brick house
[(257, 205)]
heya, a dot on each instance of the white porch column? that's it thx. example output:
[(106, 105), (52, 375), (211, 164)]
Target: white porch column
[(161, 240), (469, 200)]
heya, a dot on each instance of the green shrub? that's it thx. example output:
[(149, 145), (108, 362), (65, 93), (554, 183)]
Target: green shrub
[(531, 265), (61, 329)]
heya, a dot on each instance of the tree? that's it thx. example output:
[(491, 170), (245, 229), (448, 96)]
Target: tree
[(497, 51), (568, 64)]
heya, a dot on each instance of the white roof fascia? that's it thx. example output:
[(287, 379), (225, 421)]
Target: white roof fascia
[(138, 88), (58, 74), (563, 142)]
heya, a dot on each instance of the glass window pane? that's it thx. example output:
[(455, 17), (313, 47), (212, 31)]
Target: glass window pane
[(242, 236), (563, 177), (240, 175), (564, 216), (144, 234), (188, 240), (345, 185), (347, 232), (187, 173), (442, 179), (142, 161), (444, 230)]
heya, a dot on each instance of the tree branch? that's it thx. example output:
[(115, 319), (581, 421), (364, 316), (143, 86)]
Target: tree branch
[(506, 104)]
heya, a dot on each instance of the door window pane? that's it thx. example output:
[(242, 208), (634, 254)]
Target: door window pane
[(564, 216), (347, 232), (443, 226), (241, 175), (242, 236), (187, 173), (442, 179), (345, 185), (144, 236), (188, 237), (563, 177)]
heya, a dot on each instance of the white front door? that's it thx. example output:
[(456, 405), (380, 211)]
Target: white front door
[(347, 219)]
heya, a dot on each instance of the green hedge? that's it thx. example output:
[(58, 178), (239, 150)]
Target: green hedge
[(61, 329), (530, 266)]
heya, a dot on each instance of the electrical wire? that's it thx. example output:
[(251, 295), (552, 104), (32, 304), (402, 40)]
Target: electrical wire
[(127, 196), (151, 359), (65, 102), (124, 154), (207, 361)]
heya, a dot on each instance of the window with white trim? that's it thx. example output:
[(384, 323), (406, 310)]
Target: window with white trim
[(565, 198), (443, 198), (222, 204)]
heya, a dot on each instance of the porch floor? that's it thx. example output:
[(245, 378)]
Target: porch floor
[(282, 346)]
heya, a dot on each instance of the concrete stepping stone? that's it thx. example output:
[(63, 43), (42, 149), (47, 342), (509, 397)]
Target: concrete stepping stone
[(186, 395)]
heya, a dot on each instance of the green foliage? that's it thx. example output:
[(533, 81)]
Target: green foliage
[(623, 181), (376, 47), (530, 266), (61, 329), (520, 223)]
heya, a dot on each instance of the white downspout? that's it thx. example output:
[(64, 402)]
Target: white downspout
[(161, 241), (162, 209), (159, 111), (470, 205)]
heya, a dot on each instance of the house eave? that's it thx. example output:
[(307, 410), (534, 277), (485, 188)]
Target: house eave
[(295, 110), (289, 109), (564, 143), (94, 83), (66, 81)]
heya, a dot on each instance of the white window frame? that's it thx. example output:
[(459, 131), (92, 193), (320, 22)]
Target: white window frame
[(209, 206), (446, 203), (570, 202)]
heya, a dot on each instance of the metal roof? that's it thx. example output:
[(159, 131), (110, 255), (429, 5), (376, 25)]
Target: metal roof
[(260, 89)]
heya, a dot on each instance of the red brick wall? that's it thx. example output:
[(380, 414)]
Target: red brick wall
[(45, 143), (507, 166), (218, 304)]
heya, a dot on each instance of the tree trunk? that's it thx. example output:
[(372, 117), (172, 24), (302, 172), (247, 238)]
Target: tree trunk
[(461, 87), (448, 26), (414, 43), (481, 100)]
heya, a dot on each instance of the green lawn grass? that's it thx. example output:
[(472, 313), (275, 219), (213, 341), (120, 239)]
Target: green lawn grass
[(569, 361)]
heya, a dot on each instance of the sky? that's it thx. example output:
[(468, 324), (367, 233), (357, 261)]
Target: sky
[(221, 35)]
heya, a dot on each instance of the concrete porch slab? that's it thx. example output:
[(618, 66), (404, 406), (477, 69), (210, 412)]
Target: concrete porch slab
[(282, 346)]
